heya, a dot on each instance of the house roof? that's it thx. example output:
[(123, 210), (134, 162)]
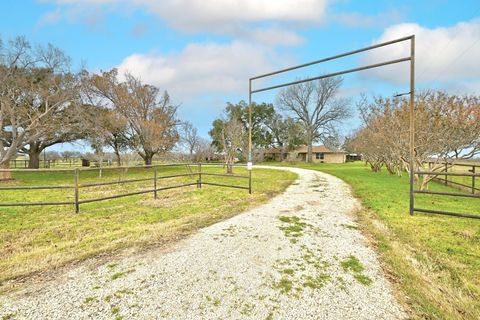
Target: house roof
[(315, 149), (303, 149)]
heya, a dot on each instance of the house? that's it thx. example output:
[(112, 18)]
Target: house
[(320, 154)]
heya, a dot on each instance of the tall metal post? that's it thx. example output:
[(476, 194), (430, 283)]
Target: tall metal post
[(473, 180), (250, 157), (199, 176), (77, 204), (155, 195), (446, 176), (250, 120), (250, 181), (412, 123)]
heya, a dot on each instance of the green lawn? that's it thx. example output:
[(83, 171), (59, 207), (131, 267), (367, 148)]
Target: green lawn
[(39, 238), (435, 260)]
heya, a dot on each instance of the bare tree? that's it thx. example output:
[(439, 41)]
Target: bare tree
[(189, 136), (59, 126), (32, 87), (151, 117), (447, 128), (108, 126), (315, 106), (203, 150), (229, 134), (334, 140)]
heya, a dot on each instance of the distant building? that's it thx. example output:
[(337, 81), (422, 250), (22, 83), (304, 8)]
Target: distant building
[(354, 157), (320, 154)]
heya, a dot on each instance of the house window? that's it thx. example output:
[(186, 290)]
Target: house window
[(319, 156)]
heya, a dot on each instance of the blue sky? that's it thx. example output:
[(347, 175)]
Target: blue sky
[(203, 52)]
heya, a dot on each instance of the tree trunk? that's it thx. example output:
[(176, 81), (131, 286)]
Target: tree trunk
[(34, 158), (148, 159), (310, 151), (309, 146), (5, 175), (34, 152), (119, 159)]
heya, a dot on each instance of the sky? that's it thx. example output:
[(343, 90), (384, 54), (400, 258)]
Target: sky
[(204, 51)]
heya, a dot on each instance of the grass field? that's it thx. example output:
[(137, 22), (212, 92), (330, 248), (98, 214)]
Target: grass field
[(435, 260), (39, 238)]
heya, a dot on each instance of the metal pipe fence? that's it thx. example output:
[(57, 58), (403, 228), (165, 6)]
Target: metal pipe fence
[(472, 186), (443, 177), (77, 186), (46, 164)]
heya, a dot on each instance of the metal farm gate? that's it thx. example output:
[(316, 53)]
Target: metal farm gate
[(411, 59)]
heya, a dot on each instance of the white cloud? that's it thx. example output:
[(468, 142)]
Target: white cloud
[(208, 14), (273, 22), (443, 54), (51, 17), (358, 20), (204, 68), (268, 36)]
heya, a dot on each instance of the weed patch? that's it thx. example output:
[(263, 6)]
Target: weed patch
[(284, 285), (354, 265), (295, 226)]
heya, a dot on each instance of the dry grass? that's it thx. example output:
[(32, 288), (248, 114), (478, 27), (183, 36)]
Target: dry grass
[(34, 239)]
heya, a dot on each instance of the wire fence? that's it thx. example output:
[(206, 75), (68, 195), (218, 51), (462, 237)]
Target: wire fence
[(150, 180)]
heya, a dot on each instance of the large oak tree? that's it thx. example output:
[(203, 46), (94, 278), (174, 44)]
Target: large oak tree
[(34, 85), (150, 116), (316, 106)]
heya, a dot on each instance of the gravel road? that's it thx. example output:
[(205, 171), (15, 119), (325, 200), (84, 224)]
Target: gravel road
[(299, 256)]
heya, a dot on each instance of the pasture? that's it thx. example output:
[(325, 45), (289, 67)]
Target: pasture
[(35, 239)]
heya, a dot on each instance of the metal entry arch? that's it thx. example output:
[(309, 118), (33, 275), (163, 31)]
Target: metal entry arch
[(410, 58)]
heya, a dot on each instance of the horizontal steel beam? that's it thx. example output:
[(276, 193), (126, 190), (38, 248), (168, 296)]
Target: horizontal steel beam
[(379, 45), (329, 75), (86, 185), (138, 167), (116, 196), (456, 183), (28, 204), (38, 170), (135, 193), (447, 213), (456, 174), (225, 175), (224, 185), (36, 187), (135, 180), (463, 164), (453, 194)]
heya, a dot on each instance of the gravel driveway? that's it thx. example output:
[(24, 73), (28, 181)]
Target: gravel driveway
[(299, 256)]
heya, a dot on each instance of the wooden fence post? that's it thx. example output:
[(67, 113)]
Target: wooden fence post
[(77, 205)]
